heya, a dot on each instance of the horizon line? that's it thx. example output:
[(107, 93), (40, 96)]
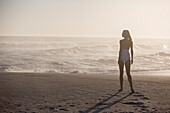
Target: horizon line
[(79, 36)]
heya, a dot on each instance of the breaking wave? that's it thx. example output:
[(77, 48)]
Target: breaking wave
[(72, 57)]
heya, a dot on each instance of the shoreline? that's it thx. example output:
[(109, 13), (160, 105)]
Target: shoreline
[(154, 72)]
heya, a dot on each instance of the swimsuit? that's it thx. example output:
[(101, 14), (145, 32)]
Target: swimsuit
[(125, 55)]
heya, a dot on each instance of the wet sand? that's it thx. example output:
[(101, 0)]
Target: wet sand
[(83, 93)]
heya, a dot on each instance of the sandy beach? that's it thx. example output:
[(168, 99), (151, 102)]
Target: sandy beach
[(81, 93)]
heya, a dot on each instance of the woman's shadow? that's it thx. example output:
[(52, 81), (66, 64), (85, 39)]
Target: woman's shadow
[(103, 102)]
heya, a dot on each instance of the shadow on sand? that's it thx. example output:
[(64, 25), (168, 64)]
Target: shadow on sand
[(103, 102)]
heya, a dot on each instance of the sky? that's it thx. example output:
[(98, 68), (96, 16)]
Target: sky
[(101, 18)]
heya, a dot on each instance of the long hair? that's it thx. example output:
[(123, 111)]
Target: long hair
[(127, 35)]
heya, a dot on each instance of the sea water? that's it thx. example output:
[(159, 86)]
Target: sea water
[(79, 55)]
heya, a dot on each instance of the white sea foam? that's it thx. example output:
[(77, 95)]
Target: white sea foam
[(80, 57)]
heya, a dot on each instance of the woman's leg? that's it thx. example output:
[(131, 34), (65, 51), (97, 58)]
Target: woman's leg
[(127, 65), (121, 67)]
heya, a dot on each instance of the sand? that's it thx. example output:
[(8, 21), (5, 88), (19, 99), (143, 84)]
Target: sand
[(83, 93)]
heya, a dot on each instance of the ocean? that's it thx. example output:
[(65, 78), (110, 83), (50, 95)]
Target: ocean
[(79, 55)]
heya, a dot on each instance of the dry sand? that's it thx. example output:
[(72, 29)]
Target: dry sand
[(80, 93)]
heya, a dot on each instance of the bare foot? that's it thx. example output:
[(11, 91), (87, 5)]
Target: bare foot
[(132, 91), (120, 89)]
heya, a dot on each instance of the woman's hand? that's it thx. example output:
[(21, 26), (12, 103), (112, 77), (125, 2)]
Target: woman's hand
[(119, 61), (131, 62)]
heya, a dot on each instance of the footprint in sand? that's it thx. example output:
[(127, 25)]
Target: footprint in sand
[(140, 106), (134, 103), (142, 96), (137, 104), (145, 98), (63, 109), (80, 111), (138, 95), (51, 108), (86, 103), (59, 105), (72, 105), (134, 99), (142, 109)]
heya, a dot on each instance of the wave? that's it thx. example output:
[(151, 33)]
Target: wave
[(82, 50), (72, 44), (72, 57), (37, 45), (161, 54), (143, 46)]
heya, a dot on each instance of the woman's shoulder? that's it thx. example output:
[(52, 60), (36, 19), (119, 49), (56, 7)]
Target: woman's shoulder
[(120, 40)]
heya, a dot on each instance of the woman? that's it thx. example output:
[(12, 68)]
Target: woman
[(124, 58)]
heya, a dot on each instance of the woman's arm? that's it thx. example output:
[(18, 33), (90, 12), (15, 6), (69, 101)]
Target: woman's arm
[(119, 52), (132, 53)]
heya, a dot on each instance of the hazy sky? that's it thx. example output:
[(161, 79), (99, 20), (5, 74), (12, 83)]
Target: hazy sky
[(144, 18)]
